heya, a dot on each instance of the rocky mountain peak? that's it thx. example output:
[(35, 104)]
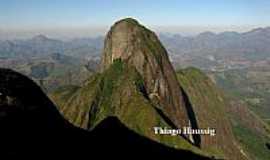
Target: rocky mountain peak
[(137, 46), (121, 39)]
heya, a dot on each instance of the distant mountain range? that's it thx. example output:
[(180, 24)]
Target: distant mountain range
[(41, 45), (253, 45)]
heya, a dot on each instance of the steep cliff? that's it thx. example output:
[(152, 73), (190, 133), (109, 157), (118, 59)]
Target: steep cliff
[(139, 47)]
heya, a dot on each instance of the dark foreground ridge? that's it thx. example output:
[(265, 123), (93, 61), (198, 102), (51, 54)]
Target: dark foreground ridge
[(30, 124)]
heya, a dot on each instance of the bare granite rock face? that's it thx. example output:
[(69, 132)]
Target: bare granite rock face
[(138, 46)]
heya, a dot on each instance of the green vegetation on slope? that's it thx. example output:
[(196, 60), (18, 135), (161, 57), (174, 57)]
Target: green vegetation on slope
[(250, 85), (253, 142), (209, 107), (248, 129), (118, 91)]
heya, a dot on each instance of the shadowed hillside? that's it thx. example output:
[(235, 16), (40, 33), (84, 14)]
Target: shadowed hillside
[(31, 125)]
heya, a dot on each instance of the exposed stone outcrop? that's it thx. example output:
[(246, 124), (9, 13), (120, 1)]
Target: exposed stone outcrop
[(137, 46)]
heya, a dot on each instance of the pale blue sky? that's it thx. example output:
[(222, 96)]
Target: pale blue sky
[(35, 14)]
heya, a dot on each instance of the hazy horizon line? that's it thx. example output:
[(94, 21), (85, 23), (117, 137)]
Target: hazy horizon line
[(84, 32)]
